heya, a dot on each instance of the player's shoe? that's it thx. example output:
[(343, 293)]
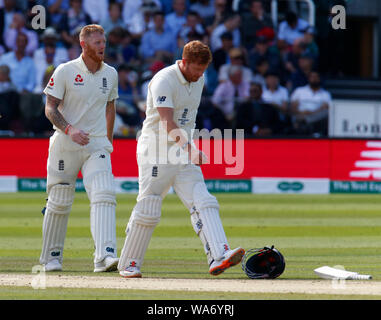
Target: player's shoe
[(53, 265), (106, 265), (131, 272), (230, 259)]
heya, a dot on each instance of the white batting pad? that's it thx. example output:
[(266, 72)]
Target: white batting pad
[(60, 200), (211, 233), (214, 232), (145, 216), (102, 215)]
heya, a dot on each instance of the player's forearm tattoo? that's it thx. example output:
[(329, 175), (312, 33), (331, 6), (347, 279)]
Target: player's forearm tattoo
[(53, 114)]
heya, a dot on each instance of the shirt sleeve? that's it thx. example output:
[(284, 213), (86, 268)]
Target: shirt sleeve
[(56, 85), (161, 92), (114, 90), (295, 95)]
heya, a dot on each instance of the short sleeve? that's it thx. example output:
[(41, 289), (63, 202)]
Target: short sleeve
[(56, 85), (295, 95), (285, 95), (114, 90), (161, 93)]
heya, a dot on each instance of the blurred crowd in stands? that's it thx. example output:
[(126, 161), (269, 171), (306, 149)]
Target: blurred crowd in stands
[(264, 78)]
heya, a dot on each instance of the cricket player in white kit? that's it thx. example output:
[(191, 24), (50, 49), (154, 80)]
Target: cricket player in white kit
[(80, 104), (173, 99)]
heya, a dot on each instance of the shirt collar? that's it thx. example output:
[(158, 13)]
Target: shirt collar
[(83, 66), (180, 74)]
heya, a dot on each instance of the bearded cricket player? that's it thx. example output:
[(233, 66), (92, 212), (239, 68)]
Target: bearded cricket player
[(173, 99), (80, 103)]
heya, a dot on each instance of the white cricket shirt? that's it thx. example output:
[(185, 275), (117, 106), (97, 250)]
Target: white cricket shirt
[(168, 88), (84, 94)]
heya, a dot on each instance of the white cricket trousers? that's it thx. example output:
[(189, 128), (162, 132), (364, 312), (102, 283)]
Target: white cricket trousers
[(154, 183)]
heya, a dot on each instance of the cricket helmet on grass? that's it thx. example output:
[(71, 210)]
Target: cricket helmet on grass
[(264, 263)]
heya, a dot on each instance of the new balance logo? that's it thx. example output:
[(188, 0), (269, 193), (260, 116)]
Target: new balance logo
[(161, 99), (55, 253), (154, 171), (102, 156), (108, 249)]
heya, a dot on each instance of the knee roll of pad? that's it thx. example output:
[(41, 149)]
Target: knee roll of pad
[(60, 198), (103, 188), (147, 211)]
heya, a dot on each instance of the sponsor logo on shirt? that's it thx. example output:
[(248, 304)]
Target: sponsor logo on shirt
[(51, 83), (161, 99), (183, 120), (78, 81), (104, 85)]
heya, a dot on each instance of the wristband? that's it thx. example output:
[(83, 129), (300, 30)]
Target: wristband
[(67, 128)]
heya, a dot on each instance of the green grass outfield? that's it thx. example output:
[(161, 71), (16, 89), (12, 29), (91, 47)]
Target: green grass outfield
[(310, 231)]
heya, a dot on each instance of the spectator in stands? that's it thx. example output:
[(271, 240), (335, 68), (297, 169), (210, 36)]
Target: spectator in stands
[(154, 68), (261, 69), (277, 96), (252, 22), (222, 11), (176, 19), (230, 92), (130, 7), (75, 50), (129, 50), (291, 29), (96, 9), (142, 20), (309, 106), (6, 17), (292, 57), (129, 94), (22, 68), (18, 26), (57, 9), (221, 55), (71, 20), (237, 58), (208, 116), (114, 48), (254, 116), (204, 8), (114, 17), (158, 43), (311, 46), (166, 6), (48, 55), (9, 99), (192, 26), (263, 50), (40, 124), (299, 78), (231, 24)]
